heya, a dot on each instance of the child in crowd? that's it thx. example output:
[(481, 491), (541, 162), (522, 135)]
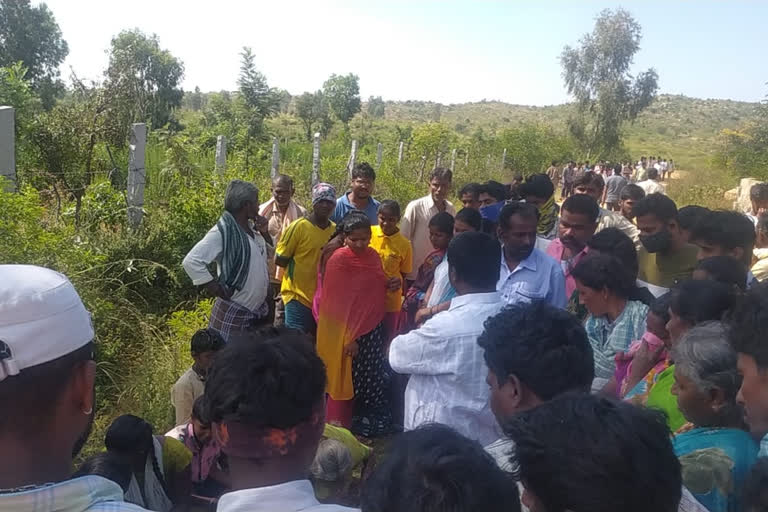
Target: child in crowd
[(396, 257), (191, 385), (760, 266), (440, 235)]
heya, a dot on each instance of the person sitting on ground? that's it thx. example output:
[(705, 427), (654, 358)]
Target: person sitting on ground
[(652, 184), (760, 267), (447, 383), (665, 258), (747, 326), (396, 258), (688, 217), (191, 385), (724, 270), (592, 184), (614, 320), (418, 214), (713, 447), (584, 453), (109, 466), (350, 332), (469, 195), (280, 211), (527, 273), (435, 468), (440, 235), (240, 253), (266, 402), (758, 197), (47, 375), (755, 495), (548, 355), (725, 233), (692, 303), (361, 186), (440, 292), (614, 185), (539, 191), (629, 196), (209, 475), (578, 223), (650, 351), (299, 253), (160, 466), (338, 455), (492, 192)]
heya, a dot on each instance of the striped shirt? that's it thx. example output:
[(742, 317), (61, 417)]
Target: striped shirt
[(84, 494)]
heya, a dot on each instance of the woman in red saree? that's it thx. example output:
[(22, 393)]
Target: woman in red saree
[(350, 334)]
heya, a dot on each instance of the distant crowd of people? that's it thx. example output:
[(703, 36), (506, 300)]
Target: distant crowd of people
[(599, 354)]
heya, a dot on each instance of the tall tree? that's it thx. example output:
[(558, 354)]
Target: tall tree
[(597, 74), (259, 100), (31, 35), (143, 81), (313, 109), (376, 107), (343, 94)]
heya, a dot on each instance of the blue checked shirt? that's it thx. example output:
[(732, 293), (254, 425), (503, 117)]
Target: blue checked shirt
[(538, 277), (84, 494)]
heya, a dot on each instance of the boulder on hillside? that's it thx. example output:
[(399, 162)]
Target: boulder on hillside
[(742, 202)]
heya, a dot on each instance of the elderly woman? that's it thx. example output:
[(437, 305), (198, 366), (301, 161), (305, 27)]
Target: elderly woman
[(714, 449), (614, 321)]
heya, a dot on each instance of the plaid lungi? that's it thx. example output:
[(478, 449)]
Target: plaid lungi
[(230, 318)]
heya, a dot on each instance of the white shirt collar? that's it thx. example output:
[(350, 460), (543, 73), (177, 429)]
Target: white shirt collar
[(475, 298), (287, 497)]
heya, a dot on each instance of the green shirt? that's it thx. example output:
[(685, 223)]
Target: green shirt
[(666, 270), (660, 397)]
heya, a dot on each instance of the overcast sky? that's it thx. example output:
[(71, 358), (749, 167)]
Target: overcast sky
[(446, 51)]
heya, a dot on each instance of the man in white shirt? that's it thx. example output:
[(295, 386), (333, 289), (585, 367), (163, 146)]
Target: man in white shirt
[(415, 222), (652, 185), (241, 258), (47, 375), (526, 273), (443, 359), (266, 401)]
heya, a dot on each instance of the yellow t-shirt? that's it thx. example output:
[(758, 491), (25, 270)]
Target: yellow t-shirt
[(301, 243), (396, 257)]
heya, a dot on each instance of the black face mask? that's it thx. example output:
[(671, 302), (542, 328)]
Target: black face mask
[(657, 242)]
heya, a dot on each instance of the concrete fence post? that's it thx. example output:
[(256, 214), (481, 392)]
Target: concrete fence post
[(316, 160), (137, 176), (275, 158), (221, 153), (8, 147)]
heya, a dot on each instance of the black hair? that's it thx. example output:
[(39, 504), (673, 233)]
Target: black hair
[(653, 173), (206, 340), (603, 271), (632, 191), (107, 465), (759, 192), (476, 259), (434, 469), (363, 170), (470, 217), (41, 385), (390, 205), (755, 491), (129, 435), (443, 221), (724, 269), (688, 216), (589, 178), (271, 378), (748, 323), (701, 301), (762, 223), (442, 174), (537, 185), (495, 190), (660, 307), (525, 210), (616, 243), (584, 205), (545, 347), (200, 410), (472, 189), (574, 453), (727, 229), (658, 205), (354, 219)]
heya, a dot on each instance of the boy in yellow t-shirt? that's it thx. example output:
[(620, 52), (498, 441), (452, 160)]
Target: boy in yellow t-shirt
[(396, 257)]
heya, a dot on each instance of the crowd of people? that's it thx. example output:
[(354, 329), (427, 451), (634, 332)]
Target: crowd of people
[(599, 353)]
